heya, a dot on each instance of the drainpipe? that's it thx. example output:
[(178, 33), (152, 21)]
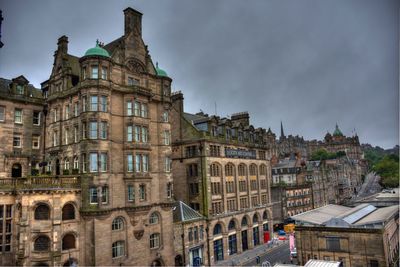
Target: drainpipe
[(208, 246), (183, 245)]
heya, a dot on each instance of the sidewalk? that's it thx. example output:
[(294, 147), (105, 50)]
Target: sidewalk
[(242, 258)]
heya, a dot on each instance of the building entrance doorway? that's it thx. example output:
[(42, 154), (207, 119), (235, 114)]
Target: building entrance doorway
[(16, 170)]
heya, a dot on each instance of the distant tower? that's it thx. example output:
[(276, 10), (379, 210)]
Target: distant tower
[(282, 133)]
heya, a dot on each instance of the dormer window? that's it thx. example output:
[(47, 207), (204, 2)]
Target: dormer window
[(20, 89), (95, 72)]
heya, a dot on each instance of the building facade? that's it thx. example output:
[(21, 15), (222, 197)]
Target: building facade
[(87, 176), (220, 169)]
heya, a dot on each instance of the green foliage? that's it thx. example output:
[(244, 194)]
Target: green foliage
[(322, 154), (388, 169), (373, 155)]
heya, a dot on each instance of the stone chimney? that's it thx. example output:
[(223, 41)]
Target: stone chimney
[(133, 21), (241, 117), (63, 44)]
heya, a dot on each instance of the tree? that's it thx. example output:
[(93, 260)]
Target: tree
[(388, 169)]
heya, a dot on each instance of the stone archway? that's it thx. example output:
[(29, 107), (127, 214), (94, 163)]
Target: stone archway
[(16, 170), (156, 262), (178, 260)]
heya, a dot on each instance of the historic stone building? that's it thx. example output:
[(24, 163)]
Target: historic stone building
[(356, 237), (221, 169), (100, 134)]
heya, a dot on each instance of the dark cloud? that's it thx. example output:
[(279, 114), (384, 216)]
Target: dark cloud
[(308, 63)]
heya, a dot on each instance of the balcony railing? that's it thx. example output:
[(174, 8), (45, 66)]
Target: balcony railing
[(40, 182)]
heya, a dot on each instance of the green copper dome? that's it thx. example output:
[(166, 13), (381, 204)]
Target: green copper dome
[(97, 51), (161, 72), (337, 132)]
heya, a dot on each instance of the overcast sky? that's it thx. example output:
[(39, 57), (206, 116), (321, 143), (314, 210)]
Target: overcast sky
[(309, 63)]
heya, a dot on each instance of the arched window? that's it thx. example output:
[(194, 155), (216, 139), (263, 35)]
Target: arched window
[(229, 170), (232, 225), (244, 221), (68, 242), (214, 170), (154, 218), (66, 164), (242, 170), (265, 215), (217, 229), (255, 218), (68, 212), (263, 170), (76, 163), (42, 212), (253, 169), (118, 249), (155, 240), (42, 243), (117, 224)]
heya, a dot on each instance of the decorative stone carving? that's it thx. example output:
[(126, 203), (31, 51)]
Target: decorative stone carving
[(138, 234), (136, 66)]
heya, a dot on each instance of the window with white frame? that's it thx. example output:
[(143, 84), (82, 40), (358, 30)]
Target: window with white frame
[(131, 193), (76, 109), (155, 240), (55, 114), (129, 133), (18, 115), (17, 141), (117, 224), (93, 195), (104, 195), (83, 158), (168, 164), (165, 116), (166, 137), (55, 138), (66, 136), (93, 130), (35, 141), (36, 118), (129, 159), (103, 162), (129, 110), (143, 110), (76, 133), (20, 89), (76, 163), (93, 162), (84, 103), (104, 71), (103, 103), (66, 112), (95, 72), (154, 218), (136, 108), (118, 249), (142, 192), (94, 103), (66, 164)]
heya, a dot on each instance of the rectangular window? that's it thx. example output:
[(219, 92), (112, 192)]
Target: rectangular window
[(137, 108), (103, 103), (93, 162), (168, 164), (35, 142), (145, 163), (104, 195), (75, 133), (18, 116), (95, 72), (167, 137), (93, 195), (145, 134), (129, 133), (17, 141), (2, 113), (137, 133), (103, 162), (76, 109), (129, 108), (55, 115), (84, 130), (55, 138), (129, 163), (84, 73), (138, 160), (20, 89), (93, 103), (131, 193), (142, 192), (103, 130), (93, 130), (84, 103), (66, 116), (190, 234), (133, 81), (66, 135), (104, 73), (83, 158), (143, 110), (36, 118)]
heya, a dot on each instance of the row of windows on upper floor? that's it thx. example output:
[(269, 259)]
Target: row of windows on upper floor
[(230, 169), (134, 193), (99, 162), (19, 116), (100, 130), (100, 103), (234, 134)]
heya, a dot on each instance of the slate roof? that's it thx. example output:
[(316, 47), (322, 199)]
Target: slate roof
[(5, 89), (184, 213)]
